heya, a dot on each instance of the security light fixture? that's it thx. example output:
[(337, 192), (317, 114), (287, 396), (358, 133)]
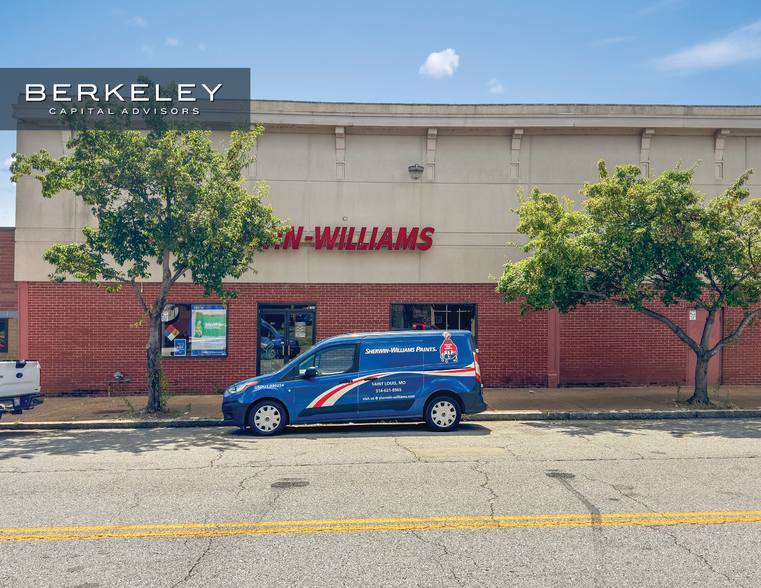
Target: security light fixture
[(416, 171)]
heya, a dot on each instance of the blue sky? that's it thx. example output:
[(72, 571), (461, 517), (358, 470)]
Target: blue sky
[(659, 52)]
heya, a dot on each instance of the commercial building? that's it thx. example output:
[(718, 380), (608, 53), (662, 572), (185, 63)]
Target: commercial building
[(376, 246)]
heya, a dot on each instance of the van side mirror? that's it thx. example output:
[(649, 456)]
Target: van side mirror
[(311, 372)]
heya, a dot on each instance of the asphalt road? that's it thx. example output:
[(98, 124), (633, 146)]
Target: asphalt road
[(657, 503)]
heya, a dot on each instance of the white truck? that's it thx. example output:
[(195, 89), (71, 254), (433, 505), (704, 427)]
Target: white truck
[(19, 386)]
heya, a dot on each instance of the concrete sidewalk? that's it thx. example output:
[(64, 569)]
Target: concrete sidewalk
[(504, 404)]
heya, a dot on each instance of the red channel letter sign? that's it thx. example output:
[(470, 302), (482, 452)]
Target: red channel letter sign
[(360, 238)]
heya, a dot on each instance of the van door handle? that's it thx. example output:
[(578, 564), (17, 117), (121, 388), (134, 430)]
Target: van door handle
[(371, 379), (344, 381)]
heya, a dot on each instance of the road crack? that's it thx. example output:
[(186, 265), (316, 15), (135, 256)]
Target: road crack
[(197, 562), (415, 457), (242, 483), (445, 553), (485, 485), (620, 488), (697, 556), (217, 458)]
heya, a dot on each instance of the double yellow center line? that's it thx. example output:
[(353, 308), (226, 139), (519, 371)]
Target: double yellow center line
[(401, 524)]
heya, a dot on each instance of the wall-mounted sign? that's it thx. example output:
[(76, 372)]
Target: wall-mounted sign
[(208, 329), (360, 238), (179, 347), (171, 332)]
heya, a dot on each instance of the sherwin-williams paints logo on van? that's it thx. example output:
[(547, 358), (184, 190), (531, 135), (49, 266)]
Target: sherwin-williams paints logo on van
[(448, 350)]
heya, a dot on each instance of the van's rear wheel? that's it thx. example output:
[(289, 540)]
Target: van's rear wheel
[(267, 417), (443, 414)]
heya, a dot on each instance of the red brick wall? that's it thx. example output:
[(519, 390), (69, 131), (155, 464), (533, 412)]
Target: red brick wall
[(8, 293), (601, 344), (740, 364), (82, 335)]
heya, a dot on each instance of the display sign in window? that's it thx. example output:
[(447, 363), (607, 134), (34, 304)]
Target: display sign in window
[(194, 330), (432, 317)]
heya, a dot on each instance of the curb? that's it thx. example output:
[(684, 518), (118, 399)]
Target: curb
[(529, 415), (633, 415), (158, 424)]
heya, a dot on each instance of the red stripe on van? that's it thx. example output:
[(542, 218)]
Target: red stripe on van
[(333, 392)]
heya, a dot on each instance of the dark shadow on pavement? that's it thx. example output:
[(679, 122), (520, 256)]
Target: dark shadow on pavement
[(725, 428), (317, 432), (29, 444)]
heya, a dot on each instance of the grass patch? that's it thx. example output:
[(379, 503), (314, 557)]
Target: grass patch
[(716, 400)]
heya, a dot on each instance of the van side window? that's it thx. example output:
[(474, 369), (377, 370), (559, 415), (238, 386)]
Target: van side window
[(332, 361)]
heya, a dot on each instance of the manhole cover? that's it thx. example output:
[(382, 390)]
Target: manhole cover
[(289, 483), (561, 475)]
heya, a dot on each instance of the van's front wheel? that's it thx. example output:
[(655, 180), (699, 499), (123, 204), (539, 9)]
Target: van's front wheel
[(443, 414), (267, 417)]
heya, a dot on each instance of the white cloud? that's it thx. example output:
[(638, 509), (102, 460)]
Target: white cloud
[(202, 47), (172, 41), (441, 64), (744, 44), (147, 49), (138, 22), (6, 164), (495, 87)]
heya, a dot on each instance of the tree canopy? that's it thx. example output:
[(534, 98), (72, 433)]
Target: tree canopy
[(639, 239), (164, 197)]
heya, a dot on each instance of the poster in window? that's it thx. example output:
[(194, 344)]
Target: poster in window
[(208, 329)]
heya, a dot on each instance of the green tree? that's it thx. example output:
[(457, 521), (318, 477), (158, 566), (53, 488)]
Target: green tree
[(165, 197), (640, 239)]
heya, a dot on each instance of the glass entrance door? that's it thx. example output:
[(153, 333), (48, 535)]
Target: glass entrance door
[(284, 331)]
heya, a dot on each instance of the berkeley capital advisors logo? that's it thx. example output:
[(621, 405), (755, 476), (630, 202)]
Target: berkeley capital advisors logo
[(137, 93), (41, 98)]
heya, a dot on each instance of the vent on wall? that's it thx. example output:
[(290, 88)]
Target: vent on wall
[(79, 393)]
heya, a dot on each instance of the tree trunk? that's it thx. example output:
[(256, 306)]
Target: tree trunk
[(701, 381), (152, 360), (153, 366)]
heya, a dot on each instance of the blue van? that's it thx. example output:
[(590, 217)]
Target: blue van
[(398, 375)]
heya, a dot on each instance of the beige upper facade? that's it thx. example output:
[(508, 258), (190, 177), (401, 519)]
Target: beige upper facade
[(346, 165)]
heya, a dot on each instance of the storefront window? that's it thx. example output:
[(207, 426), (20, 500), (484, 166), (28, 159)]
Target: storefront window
[(429, 317), (194, 330), (3, 335)]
